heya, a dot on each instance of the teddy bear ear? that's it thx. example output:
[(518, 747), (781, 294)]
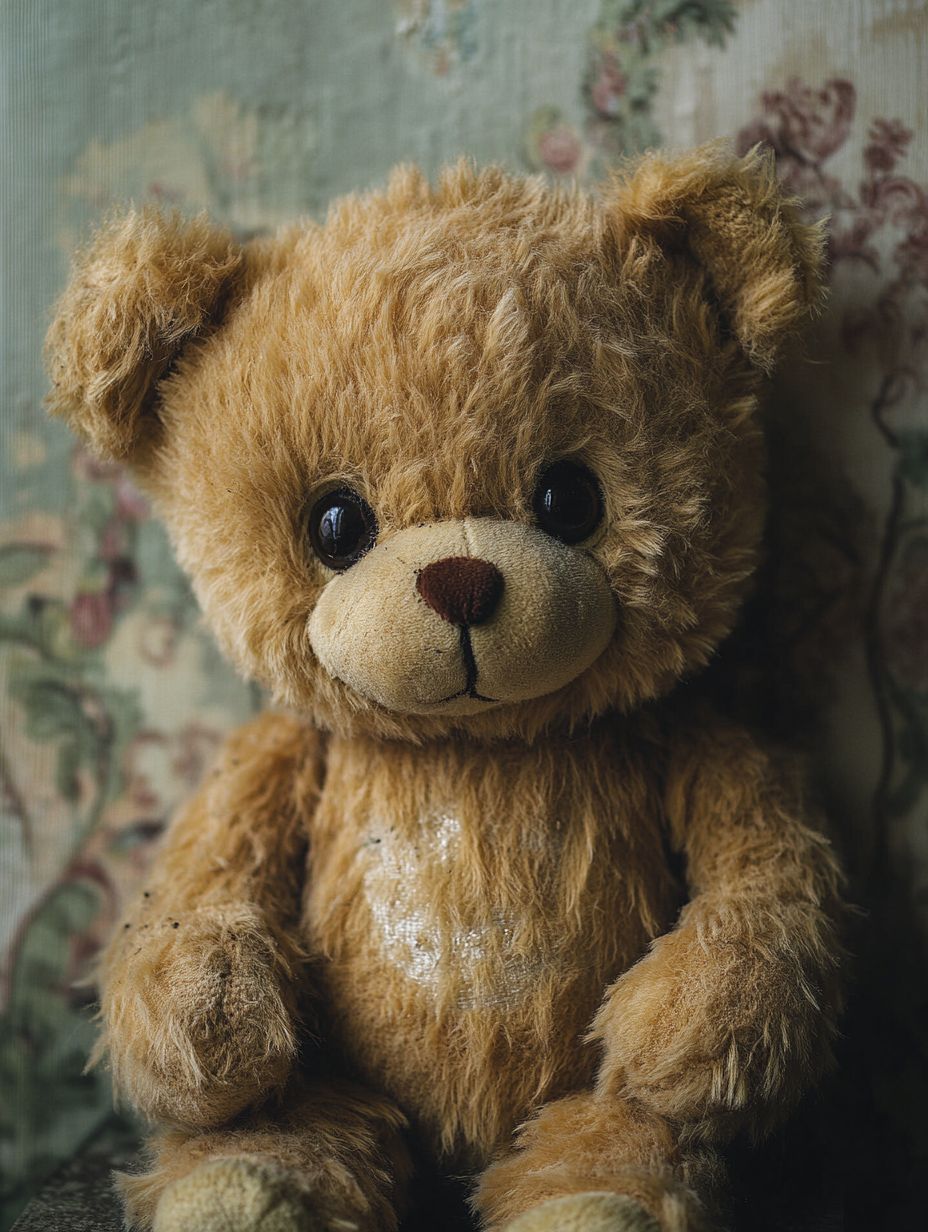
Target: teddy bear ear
[(147, 285), (764, 264)]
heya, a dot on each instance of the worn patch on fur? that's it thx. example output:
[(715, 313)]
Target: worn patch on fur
[(431, 947)]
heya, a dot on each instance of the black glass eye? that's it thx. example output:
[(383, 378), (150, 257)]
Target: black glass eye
[(568, 502), (342, 528)]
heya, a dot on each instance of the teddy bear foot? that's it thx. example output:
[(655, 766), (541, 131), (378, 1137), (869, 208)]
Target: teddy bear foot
[(586, 1212), (239, 1194)]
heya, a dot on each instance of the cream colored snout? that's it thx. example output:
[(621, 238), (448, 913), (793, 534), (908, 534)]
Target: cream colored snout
[(373, 630)]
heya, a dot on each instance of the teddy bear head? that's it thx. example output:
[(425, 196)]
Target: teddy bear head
[(476, 456)]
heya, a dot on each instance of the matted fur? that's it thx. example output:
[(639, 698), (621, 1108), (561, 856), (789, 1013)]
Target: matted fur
[(474, 914)]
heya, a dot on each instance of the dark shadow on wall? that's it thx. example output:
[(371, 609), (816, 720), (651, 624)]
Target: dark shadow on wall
[(849, 1157)]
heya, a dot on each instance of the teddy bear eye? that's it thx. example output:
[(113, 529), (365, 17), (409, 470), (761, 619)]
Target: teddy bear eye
[(342, 527), (568, 502)]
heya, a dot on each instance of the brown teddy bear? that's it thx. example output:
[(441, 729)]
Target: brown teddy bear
[(470, 476)]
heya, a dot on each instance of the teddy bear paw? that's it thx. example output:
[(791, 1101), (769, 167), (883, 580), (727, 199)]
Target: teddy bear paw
[(586, 1212), (239, 1194)]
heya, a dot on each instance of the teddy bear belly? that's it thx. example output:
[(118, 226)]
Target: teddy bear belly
[(470, 928), (460, 1018)]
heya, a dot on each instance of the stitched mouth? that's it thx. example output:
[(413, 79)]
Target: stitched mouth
[(470, 666)]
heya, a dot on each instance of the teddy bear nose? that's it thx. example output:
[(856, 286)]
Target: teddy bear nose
[(461, 589)]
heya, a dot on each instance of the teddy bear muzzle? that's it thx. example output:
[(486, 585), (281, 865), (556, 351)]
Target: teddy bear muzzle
[(458, 616)]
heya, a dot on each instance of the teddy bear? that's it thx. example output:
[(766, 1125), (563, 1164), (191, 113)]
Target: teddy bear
[(469, 476)]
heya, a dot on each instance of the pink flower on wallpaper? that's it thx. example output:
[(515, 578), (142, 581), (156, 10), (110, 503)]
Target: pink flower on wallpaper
[(889, 140), (130, 503), (809, 123), (92, 611), (89, 467), (893, 199), (91, 618), (804, 126), (560, 149), (609, 87)]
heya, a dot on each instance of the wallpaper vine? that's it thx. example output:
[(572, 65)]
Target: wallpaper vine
[(846, 577), (112, 698), (878, 233)]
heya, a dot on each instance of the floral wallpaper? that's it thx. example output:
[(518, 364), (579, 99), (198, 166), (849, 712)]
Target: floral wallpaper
[(113, 699), (620, 82)]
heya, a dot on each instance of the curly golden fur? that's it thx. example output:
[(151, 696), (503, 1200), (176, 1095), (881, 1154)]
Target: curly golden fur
[(463, 905)]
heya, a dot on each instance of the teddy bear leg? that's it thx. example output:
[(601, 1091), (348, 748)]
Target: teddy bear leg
[(329, 1156), (592, 1164)]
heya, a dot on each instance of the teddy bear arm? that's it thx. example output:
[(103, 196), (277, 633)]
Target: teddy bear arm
[(731, 1015), (199, 989)]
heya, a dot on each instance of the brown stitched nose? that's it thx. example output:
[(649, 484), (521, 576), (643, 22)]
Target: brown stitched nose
[(461, 589)]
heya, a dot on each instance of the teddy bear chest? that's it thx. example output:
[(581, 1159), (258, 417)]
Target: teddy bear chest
[(476, 886)]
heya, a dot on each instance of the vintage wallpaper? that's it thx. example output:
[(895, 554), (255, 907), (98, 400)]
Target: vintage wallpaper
[(112, 699)]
